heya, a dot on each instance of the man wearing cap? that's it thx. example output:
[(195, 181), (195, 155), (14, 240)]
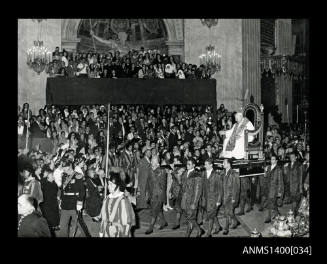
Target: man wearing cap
[(72, 197), (234, 142)]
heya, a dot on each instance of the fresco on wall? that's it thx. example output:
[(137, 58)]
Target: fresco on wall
[(103, 35)]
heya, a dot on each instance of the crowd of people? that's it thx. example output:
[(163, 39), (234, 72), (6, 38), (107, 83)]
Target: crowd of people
[(135, 64), (159, 157)]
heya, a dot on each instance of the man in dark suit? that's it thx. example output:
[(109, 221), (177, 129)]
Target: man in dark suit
[(212, 196), (231, 193), (294, 178), (272, 187), (245, 195), (144, 169), (120, 127), (156, 187), (191, 191), (31, 223), (208, 154), (127, 163), (172, 138), (306, 174), (36, 129)]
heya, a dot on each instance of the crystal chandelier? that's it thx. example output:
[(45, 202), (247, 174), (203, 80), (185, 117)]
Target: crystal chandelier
[(38, 56), (211, 59)]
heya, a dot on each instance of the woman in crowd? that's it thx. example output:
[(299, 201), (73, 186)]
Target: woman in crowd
[(26, 112), (117, 215), (180, 73), (22, 129), (146, 59)]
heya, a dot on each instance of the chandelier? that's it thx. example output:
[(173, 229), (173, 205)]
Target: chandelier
[(211, 59), (209, 22), (38, 56)]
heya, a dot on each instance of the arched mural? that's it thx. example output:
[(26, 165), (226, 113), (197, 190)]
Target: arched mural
[(161, 33), (103, 35)]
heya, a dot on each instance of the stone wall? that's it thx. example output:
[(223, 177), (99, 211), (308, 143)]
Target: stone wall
[(227, 39), (236, 50), (31, 86)]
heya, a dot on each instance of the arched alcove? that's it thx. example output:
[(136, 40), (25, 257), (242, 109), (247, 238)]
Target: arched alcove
[(174, 31)]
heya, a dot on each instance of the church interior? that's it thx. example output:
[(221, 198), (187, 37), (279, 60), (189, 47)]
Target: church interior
[(259, 67)]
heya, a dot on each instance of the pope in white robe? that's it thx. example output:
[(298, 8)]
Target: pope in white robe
[(233, 145)]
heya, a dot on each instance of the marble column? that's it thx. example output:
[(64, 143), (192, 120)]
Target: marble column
[(70, 44), (283, 84), (251, 76), (176, 48), (227, 39)]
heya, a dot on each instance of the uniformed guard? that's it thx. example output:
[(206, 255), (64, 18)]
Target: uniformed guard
[(72, 197)]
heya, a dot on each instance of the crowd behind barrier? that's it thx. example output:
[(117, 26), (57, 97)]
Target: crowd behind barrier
[(135, 64)]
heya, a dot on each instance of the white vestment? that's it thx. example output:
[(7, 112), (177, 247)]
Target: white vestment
[(238, 152)]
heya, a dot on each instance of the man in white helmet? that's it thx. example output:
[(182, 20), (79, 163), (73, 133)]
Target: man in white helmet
[(234, 142)]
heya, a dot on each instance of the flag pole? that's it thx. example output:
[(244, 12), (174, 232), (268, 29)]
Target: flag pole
[(27, 128), (107, 151)]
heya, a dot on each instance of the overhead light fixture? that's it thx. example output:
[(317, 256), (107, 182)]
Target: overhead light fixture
[(210, 59), (38, 56)]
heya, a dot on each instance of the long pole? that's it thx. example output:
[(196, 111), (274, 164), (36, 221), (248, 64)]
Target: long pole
[(305, 129), (27, 127), (105, 182)]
